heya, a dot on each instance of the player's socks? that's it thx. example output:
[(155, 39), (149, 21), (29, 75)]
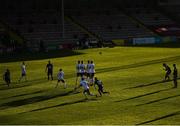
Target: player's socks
[(56, 85), (65, 86)]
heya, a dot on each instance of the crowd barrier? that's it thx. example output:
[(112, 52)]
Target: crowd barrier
[(145, 40), (154, 40)]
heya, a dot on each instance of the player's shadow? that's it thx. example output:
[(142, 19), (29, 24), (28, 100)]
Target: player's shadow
[(158, 100), (159, 118), (26, 56), (62, 104), (14, 85), (140, 64), (139, 96), (34, 99), (28, 83), (24, 94), (146, 85)]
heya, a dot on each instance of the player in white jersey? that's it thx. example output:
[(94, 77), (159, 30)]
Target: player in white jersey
[(78, 71), (92, 72), (84, 84), (92, 69), (60, 77), (83, 69), (23, 71), (88, 67)]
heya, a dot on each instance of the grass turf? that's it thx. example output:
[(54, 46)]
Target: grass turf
[(133, 75)]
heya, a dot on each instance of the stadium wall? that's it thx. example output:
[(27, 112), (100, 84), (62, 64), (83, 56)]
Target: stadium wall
[(154, 40)]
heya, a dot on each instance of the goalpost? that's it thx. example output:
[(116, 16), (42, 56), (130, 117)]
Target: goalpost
[(62, 12)]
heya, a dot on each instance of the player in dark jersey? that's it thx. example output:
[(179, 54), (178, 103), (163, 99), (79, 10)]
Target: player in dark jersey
[(175, 75), (99, 83), (168, 71), (49, 70), (6, 77)]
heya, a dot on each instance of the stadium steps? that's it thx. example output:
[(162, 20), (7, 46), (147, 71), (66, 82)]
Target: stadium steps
[(101, 41), (136, 21), (73, 21), (12, 33)]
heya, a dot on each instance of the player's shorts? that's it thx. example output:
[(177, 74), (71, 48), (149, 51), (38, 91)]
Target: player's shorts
[(7, 80), (86, 91), (100, 88), (83, 74), (61, 80), (88, 74), (50, 73), (168, 72), (92, 75), (23, 74), (79, 75)]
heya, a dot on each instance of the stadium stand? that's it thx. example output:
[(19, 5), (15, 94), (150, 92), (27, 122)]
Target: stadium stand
[(45, 26), (156, 21), (111, 25), (149, 16), (39, 24), (175, 11)]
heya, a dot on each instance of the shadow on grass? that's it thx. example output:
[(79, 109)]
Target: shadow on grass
[(24, 94), (16, 85), (63, 104), (158, 100), (34, 99), (107, 70), (139, 96), (146, 85), (140, 64), (159, 118), (25, 56)]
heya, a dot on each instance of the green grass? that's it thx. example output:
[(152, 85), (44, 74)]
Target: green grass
[(133, 75)]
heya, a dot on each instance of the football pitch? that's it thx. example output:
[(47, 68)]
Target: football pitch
[(133, 76)]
